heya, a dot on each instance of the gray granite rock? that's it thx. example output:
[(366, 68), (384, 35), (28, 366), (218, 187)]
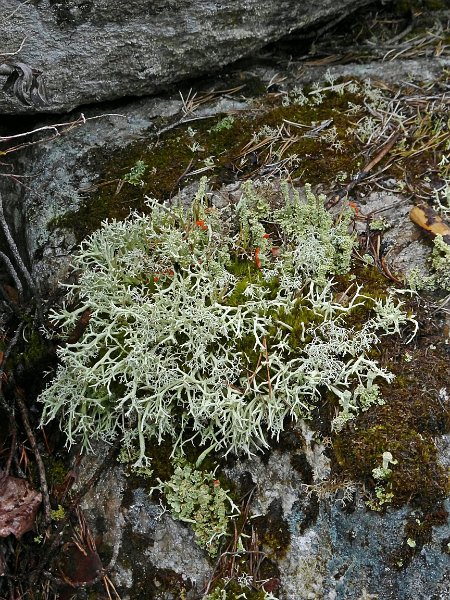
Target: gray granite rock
[(337, 549), (95, 51)]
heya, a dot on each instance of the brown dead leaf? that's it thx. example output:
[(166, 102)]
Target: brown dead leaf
[(79, 565), (19, 503)]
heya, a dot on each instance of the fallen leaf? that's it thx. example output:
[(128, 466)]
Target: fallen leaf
[(430, 221), (19, 503), (25, 83)]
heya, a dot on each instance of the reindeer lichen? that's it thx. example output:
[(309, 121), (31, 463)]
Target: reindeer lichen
[(439, 262), (206, 329)]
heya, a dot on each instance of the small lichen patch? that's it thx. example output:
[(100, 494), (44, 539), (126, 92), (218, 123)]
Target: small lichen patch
[(238, 590), (197, 497)]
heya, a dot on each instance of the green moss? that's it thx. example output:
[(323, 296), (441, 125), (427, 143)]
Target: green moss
[(375, 287), (374, 282), (298, 319), (58, 514), (247, 274), (34, 352), (416, 476), (56, 471), (168, 158), (273, 531), (159, 458), (405, 426)]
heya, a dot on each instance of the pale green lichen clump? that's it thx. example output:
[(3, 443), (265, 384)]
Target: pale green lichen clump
[(196, 497), (440, 260), (383, 489), (440, 269), (203, 328)]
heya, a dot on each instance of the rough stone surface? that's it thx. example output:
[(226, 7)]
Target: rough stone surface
[(121, 514), (174, 548), (340, 553), (337, 549), (63, 170), (403, 241), (414, 69), (93, 51)]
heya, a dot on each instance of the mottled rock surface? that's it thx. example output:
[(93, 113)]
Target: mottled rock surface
[(334, 549), (95, 51), (324, 543)]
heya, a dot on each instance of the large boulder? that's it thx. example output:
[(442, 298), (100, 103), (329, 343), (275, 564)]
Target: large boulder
[(95, 51), (319, 538)]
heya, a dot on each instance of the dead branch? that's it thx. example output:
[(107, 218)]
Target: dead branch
[(21, 44), (57, 129), (11, 14), (19, 396), (80, 327), (70, 124), (15, 252), (11, 270), (365, 171), (6, 407)]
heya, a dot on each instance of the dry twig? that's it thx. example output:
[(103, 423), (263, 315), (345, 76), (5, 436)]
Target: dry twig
[(19, 396), (58, 129)]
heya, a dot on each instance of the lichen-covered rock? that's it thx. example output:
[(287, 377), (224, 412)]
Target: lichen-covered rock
[(355, 555), (316, 532), (95, 51), (155, 552), (64, 172), (402, 241), (313, 524)]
